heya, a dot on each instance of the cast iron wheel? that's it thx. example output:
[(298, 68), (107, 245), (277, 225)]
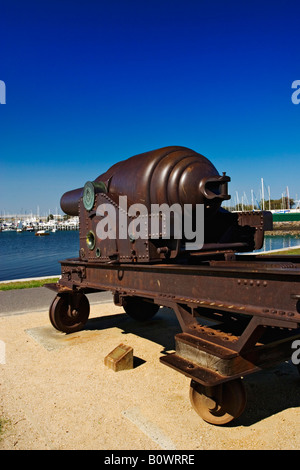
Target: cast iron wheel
[(69, 312), (139, 309), (219, 404)]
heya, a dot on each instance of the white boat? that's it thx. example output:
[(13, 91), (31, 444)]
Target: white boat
[(41, 233), (20, 227)]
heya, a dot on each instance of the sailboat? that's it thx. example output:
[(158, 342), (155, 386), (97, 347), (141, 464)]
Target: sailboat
[(20, 227)]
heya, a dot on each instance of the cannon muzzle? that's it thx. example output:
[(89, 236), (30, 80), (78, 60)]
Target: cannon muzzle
[(69, 201)]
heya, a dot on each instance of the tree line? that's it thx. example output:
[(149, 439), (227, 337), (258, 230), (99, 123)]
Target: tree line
[(272, 204)]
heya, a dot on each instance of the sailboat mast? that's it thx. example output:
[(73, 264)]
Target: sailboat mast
[(262, 194)]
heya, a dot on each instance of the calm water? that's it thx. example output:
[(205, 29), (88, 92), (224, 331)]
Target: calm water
[(25, 255), (276, 242)]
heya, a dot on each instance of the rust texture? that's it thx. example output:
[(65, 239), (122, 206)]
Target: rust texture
[(171, 175), (238, 313)]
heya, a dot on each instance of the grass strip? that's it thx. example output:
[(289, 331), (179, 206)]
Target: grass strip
[(27, 284), (292, 251)]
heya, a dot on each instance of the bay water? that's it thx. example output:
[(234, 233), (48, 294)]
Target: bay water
[(24, 255)]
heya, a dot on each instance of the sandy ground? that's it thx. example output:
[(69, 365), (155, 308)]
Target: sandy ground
[(56, 392)]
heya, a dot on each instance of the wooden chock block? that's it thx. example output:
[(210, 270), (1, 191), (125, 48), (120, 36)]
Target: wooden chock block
[(121, 358)]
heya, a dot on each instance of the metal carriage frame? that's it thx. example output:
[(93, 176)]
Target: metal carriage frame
[(238, 314)]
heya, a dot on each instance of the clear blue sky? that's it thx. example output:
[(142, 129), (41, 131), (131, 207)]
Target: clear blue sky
[(89, 83)]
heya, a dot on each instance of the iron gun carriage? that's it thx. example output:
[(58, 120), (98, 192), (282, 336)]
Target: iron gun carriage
[(238, 312)]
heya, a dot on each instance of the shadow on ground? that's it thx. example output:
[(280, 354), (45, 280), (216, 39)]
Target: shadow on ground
[(161, 329), (268, 391)]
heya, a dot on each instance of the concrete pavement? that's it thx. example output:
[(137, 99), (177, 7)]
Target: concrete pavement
[(18, 301), (56, 392)]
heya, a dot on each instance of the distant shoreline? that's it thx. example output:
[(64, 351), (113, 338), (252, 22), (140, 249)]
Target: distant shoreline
[(285, 228)]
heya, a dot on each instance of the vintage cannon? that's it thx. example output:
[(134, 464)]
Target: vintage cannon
[(172, 176), (238, 312)]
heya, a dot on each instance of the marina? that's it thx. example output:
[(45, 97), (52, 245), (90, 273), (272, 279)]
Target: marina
[(21, 223)]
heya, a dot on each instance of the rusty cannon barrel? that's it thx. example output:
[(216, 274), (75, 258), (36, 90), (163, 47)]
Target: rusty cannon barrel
[(167, 175)]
